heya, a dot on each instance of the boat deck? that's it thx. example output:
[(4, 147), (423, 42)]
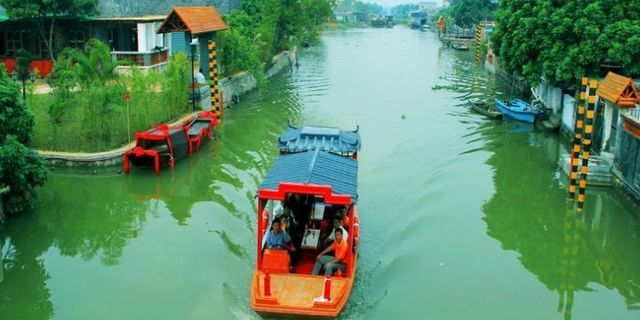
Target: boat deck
[(294, 294)]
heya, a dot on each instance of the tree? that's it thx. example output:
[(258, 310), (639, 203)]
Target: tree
[(15, 118), (467, 13), (46, 12), (564, 41), (23, 170)]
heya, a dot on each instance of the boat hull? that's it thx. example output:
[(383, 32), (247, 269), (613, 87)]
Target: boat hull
[(485, 110), (292, 294), (528, 117)]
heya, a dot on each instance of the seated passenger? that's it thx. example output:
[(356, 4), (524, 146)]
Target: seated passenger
[(278, 239), (335, 262), (338, 223)]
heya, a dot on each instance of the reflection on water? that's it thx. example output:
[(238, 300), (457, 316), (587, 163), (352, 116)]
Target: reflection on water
[(461, 217)]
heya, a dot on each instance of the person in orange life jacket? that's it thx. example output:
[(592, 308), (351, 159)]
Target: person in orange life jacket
[(338, 223), (335, 262)]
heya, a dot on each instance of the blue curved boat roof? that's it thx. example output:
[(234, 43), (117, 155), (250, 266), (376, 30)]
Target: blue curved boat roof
[(315, 167), (324, 138)]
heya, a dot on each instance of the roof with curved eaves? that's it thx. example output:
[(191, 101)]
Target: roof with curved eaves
[(324, 138), (195, 20), (315, 168), (619, 89)]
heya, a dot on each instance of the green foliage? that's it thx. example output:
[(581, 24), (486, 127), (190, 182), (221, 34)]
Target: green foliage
[(87, 111), (46, 11), (265, 27), (23, 62), (15, 118), (23, 171), (567, 40), (238, 51), (467, 13)]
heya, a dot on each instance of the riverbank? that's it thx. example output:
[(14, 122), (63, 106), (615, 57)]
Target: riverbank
[(460, 191), (233, 88)]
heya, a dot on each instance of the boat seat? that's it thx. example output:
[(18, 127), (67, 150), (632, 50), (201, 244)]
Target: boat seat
[(276, 261)]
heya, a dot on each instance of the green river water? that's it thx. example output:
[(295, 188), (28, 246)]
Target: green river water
[(461, 217)]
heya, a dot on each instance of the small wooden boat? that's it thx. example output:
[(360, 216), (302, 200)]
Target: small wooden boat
[(518, 110), (486, 109), (334, 140), (158, 147), (314, 185)]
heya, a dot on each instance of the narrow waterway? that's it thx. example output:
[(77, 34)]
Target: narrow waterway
[(461, 217)]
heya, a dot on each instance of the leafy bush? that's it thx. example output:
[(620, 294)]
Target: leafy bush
[(87, 111), (265, 27), (23, 170)]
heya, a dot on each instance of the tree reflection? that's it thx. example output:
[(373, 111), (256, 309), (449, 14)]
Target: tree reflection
[(565, 249), (80, 216)]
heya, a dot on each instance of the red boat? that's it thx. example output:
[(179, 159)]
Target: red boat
[(163, 145), (314, 187)]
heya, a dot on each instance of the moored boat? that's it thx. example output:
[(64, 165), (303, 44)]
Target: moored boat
[(485, 109), (157, 147), (199, 127), (310, 188), (518, 110)]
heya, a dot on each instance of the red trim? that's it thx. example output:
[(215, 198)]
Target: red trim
[(290, 187), (259, 246), (44, 66), (140, 152)]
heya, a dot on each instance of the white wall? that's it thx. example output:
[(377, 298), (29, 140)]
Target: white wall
[(568, 113), (147, 37)]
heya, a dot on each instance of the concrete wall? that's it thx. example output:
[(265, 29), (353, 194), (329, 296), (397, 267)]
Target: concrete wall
[(236, 86), (627, 161)]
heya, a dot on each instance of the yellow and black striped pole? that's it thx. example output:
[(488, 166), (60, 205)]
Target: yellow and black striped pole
[(586, 142), (216, 105), (577, 141), (572, 231), (479, 30)]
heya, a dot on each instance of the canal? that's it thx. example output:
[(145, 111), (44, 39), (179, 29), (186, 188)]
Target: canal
[(461, 217)]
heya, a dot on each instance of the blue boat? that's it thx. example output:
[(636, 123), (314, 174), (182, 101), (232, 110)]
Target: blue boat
[(519, 110)]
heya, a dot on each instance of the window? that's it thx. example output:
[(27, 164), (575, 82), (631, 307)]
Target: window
[(43, 49), (14, 43), (76, 39), (3, 46)]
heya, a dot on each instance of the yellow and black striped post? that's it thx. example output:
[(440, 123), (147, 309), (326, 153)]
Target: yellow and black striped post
[(216, 104), (577, 141), (586, 141), (572, 231), (479, 30)]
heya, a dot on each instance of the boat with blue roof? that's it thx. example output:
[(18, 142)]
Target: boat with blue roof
[(309, 194), (330, 139), (519, 110)]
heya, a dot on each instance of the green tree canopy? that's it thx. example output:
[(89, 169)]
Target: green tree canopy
[(15, 118), (567, 40), (265, 27), (467, 13), (46, 12)]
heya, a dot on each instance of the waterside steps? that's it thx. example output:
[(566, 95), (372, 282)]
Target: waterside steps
[(600, 169)]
